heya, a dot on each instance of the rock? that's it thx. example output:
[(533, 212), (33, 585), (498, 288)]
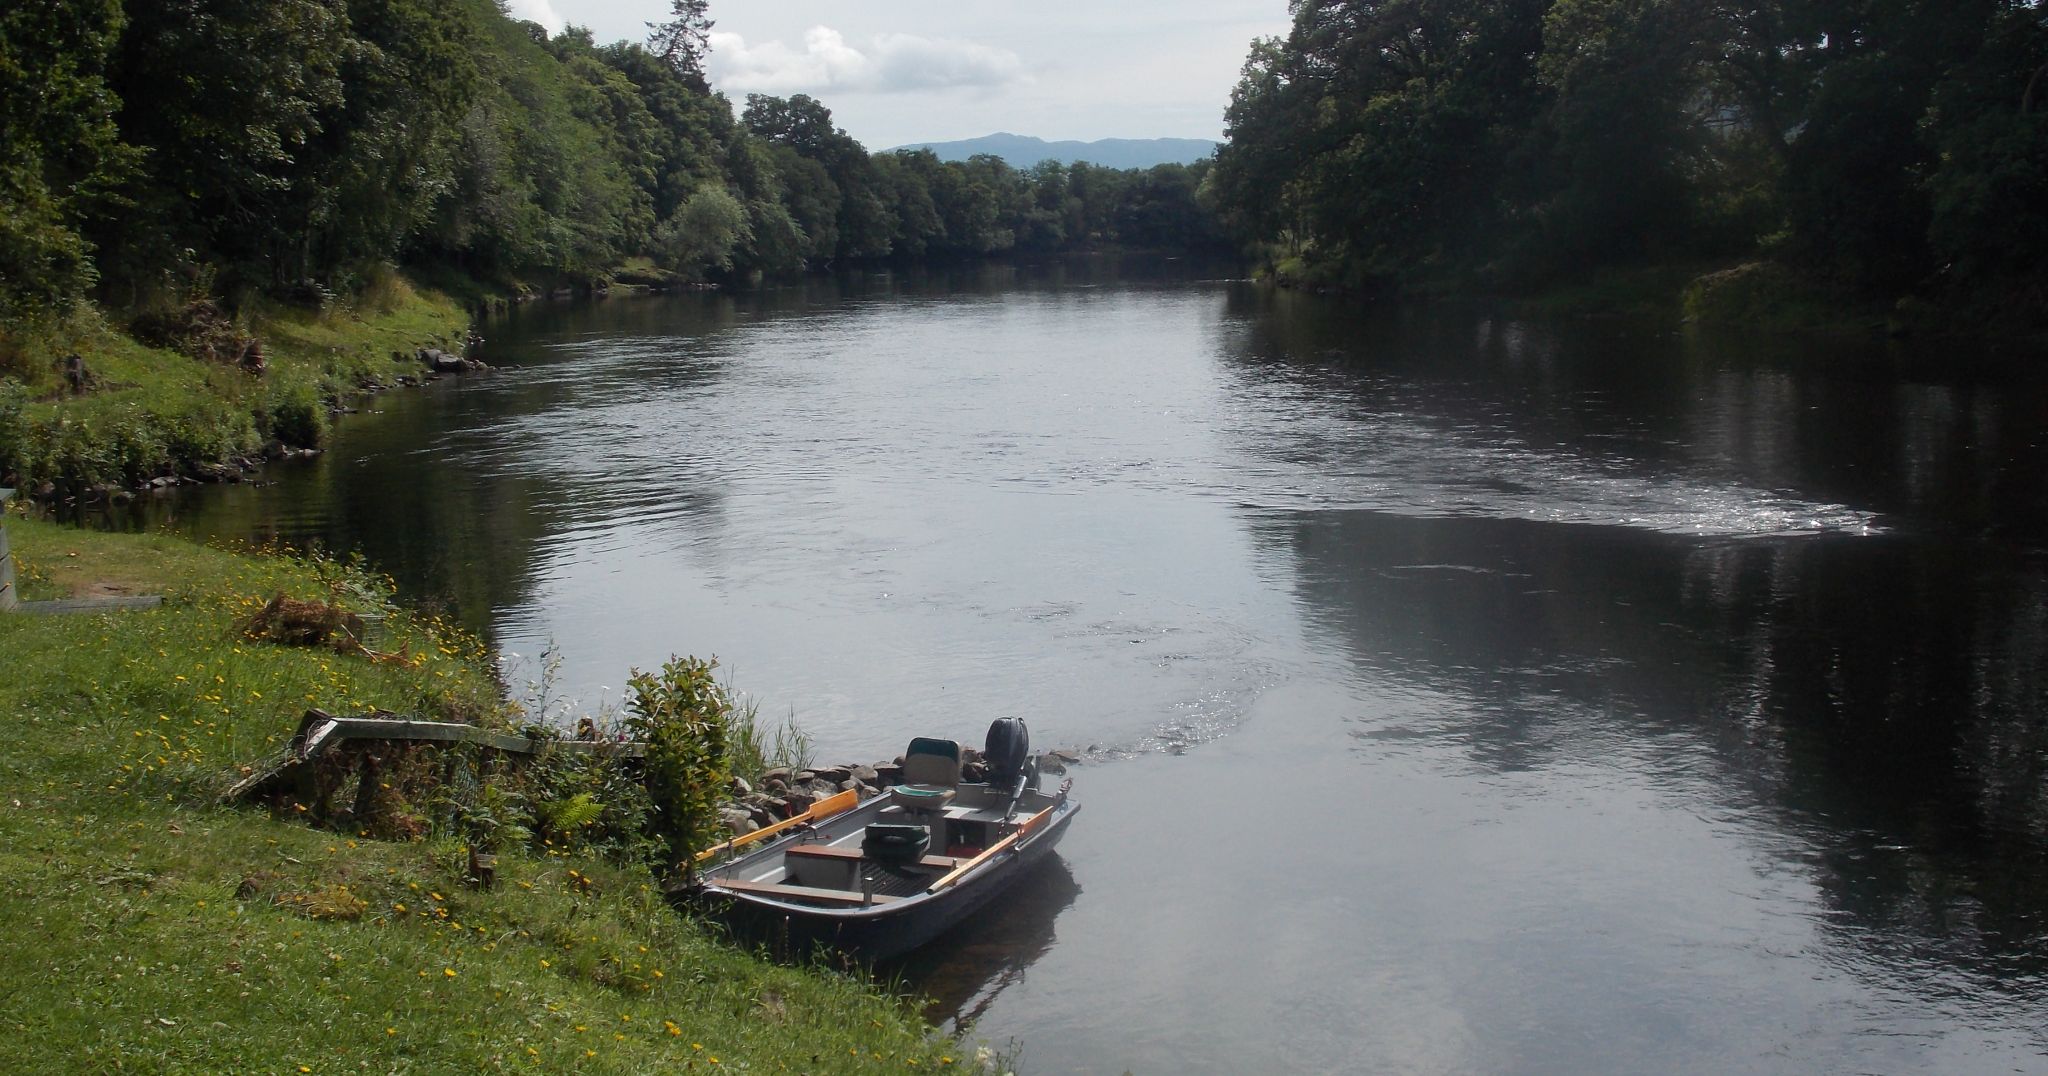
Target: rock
[(736, 820), (864, 774), (823, 788), (441, 362), (834, 774), (754, 800), (775, 773), (776, 787), (888, 773), (799, 802), (740, 787), (762, 817), (1050, 762), (805, 776), (849, 785)]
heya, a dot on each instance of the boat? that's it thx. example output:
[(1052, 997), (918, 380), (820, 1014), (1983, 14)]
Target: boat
[(879, 878)]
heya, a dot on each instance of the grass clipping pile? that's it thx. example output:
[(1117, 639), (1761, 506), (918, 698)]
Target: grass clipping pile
[(287, 621)]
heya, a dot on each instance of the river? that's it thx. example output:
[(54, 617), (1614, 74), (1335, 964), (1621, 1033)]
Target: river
[(1463, 694)]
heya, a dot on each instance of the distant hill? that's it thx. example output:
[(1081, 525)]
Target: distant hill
[(1023, 151)]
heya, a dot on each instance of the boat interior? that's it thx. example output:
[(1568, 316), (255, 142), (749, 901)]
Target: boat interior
[(915, 838)]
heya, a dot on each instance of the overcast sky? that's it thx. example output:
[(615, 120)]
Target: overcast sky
[(899, 71)]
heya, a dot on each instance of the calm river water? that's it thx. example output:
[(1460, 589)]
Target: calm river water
[(1468, 695)]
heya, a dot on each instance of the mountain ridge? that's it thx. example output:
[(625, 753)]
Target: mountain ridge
[(1023, 151)]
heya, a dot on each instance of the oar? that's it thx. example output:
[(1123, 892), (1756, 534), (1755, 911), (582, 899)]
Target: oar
[(821, 810), (991, 851)]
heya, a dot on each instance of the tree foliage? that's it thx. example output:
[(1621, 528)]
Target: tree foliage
[(1890, 144), (160, 153), (60, 152)]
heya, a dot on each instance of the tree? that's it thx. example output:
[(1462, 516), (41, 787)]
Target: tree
[(61, 156), (704, 232), (684, 41)]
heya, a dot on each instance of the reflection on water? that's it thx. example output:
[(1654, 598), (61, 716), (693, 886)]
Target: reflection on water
[(965, 972), (1543, 697)]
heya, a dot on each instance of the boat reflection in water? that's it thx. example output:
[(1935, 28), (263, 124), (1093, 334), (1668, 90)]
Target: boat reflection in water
[(962, 973)]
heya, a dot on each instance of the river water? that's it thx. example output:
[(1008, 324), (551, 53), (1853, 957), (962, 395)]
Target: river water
[(1463, 694)]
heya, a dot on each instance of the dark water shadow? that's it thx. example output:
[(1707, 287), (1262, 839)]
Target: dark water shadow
[(1878, 701), (962, 972)]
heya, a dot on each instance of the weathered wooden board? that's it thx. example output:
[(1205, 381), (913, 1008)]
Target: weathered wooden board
[(320, 732), (8, 598)]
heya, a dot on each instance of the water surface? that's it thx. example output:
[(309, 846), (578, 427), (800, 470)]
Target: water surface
[(1467, 694)]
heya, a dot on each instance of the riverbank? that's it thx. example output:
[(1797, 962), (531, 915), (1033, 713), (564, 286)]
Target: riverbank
[(162, 932), (89, 408), (1751, 295)]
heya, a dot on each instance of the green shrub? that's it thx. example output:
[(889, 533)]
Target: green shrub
[(209, 429), (15, 440), (294, 415), (684, 716)]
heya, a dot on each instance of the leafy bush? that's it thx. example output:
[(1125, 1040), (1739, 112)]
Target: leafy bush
[(685, 717), (294, 414), (14, 433)]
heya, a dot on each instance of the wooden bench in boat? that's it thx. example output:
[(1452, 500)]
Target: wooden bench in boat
[(802, 892), (853, 855)]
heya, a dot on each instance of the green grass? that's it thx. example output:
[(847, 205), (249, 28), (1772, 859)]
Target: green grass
[(154, 412), (154, 931)]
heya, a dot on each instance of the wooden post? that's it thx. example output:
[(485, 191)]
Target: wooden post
[(8, 598)]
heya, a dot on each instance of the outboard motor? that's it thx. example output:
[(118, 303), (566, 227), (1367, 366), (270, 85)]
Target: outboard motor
[(1008, 757)]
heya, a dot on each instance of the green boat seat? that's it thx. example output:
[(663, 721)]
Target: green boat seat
[(931, 774)]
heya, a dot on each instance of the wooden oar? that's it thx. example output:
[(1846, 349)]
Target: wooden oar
[(1016, 835), (821, 810)]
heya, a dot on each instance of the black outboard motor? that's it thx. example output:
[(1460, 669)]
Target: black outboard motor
[(1008, 757)]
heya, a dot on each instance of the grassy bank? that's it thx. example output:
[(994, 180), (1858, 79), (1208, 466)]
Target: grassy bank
[(153, 931), (183, 409)]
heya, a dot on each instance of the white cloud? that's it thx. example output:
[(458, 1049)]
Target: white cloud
[(889, 63), (540, 11)]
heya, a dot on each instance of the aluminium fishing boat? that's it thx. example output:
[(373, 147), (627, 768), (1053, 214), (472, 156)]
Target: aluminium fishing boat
[(879, 878)]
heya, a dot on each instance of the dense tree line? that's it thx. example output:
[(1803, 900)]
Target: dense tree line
[(1885, 145), (295, 147)]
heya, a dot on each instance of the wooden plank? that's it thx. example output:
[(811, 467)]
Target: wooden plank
[(833, 851), (321, 729), (821, 810), (9, 597), (990, 852), (801, 892), (108, 604)]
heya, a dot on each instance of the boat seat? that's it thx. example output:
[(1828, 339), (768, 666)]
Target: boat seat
[(853, 855), (931, 775), (801, 892), (920, 797)]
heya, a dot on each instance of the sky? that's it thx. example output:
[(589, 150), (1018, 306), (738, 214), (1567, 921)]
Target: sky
[(901, 71)]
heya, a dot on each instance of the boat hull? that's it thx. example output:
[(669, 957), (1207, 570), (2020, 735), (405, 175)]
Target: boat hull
[(877, 931)]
